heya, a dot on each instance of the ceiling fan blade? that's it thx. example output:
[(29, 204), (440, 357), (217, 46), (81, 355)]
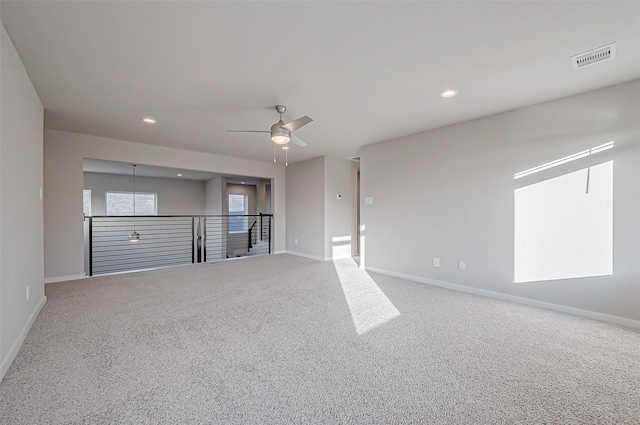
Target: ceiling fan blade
[(248, 131), (294, 125), (296, 140)]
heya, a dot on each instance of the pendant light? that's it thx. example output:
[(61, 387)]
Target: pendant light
[(134, 236)]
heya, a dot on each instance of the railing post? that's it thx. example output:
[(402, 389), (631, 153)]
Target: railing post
[(199, 240), (270, 222), (193, 240), (90, 246), (204, 238)]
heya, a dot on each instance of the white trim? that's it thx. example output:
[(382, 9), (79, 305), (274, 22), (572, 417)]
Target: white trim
[(593, 315), (313, 257), (64, 278), (6, 363)]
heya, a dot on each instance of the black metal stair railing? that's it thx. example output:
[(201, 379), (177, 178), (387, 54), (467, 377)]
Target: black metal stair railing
[(173, 240)]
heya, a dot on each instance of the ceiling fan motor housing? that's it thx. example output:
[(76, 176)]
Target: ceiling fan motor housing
[(279, 135)]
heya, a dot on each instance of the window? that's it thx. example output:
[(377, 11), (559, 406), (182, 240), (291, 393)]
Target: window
[(121, 203), (86, 202), (238, 205)]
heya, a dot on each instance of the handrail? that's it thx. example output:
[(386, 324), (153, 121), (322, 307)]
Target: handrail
[(180, 215), (171, 240), (250, 235)]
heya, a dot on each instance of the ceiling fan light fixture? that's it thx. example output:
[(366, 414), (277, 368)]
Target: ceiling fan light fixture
[(280, 139), (279, 135)]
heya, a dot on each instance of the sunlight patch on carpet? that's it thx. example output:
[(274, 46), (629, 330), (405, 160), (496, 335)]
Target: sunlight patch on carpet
[(369, 306)]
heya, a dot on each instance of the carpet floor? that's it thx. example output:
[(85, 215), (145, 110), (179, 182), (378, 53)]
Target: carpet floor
[(286, 340)]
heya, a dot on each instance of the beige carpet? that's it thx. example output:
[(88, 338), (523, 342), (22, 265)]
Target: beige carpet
[(286, 340)]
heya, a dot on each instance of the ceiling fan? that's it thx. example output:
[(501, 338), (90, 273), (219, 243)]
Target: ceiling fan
[(281, 133)]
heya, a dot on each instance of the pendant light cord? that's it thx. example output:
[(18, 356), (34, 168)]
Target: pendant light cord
[(134, 196)]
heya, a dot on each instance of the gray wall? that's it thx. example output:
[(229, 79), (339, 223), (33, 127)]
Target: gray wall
[(448, 193), (305, 208), (175, 196), (340, 214), (324, 225), (63, 155), (214, 192), (263, 203), (21, 228), (243, 189)]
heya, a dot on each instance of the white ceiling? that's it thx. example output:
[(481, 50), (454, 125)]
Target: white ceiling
[(143, 170), (366, 72)]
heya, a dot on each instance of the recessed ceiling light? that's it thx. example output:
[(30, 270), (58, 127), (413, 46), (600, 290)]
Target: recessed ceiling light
[(243, 182), (449, 93), (149, 120), (179, 175)]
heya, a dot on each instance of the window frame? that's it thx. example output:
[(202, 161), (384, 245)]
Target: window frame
[(245, 212), (84, 204), (106, 203)]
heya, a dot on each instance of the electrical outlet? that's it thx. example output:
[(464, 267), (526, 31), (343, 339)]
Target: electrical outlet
[(436, 262), (295, 241), (27, 293), (461, 265)]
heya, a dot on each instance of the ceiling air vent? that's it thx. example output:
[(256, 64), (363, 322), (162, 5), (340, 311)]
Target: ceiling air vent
[(594, 56)]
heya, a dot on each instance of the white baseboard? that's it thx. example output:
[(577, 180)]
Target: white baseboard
[(279, 252), (601, 317), (64, 278), (6, 363), (312, 257)]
